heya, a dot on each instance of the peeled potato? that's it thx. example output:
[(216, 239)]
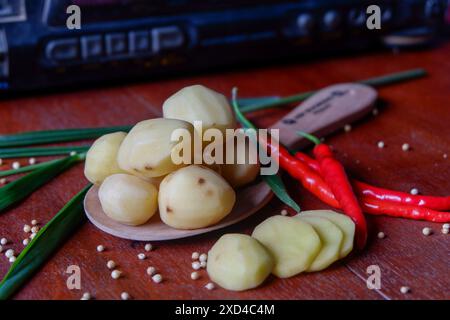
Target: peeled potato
[(101, 159), (194, 197), (343, 222), (128, 199), (293, 243), (330, 236), (147, 150), (244, 171), (198, 103), (238, 262)]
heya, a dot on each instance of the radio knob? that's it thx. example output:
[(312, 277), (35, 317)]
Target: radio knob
[(305, 22), (331, 19), (433, 9), (356, 17)]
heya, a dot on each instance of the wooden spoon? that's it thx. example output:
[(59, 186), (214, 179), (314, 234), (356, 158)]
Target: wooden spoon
[(324, 112)]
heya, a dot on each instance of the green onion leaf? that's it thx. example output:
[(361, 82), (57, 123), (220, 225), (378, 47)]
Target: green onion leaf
[(19, 189), (251, 104), (32, 167), (44, 244), (52, 136), (276, 184), (40, 151), (375, 82), (273, 181)]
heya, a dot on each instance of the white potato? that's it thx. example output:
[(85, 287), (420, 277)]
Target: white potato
[(128, 199), (194, 197), (198, 103), (293, 243), (330, 236), (343, 222), (238, 262), (245, 166), (147, 150), (101, 159)]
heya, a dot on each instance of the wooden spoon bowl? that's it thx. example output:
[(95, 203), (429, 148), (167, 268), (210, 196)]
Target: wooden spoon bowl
[(249, 199)]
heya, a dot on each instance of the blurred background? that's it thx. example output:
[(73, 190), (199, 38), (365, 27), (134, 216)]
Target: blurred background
[(129, 40)]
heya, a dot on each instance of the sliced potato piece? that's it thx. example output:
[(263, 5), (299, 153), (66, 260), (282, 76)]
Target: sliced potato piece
[(346, 225), (330, 236), (293, 243), (238, 262), (101, 159)]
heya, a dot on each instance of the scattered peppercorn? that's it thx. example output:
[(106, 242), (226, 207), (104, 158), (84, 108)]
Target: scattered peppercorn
[(110, 264), (284, 212), (196, 265), (157, 278), (209, 286), (195, 275), (151, 271), (405, 289), (86, 296), (125, 296), (347, 128), (414, 191), (3, 241), (100, 248), (141, 256), (15, 165), (405, 147), (380, 144), (115, 274), (148, 247), (427, 231), (381, 235), (203, 257), (26, 228), (32, 161), (195, 255), (9, 253)]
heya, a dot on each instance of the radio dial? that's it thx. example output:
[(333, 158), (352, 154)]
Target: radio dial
[(356, 17), (331, 19), (305, 22)]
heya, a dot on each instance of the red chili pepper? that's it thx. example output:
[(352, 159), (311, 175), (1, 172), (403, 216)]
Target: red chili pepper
[(380, 207), (367, 190), (311, 180), (393, 209), (334, 175)]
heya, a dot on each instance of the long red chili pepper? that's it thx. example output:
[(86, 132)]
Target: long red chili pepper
[(369, 191), (334, 175), (310, 180), (380, 207)]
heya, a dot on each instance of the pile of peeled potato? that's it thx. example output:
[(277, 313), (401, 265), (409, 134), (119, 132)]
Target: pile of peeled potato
[(137, 176), (285, 246)]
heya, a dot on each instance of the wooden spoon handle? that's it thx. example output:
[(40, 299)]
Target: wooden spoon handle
[(326, 111)]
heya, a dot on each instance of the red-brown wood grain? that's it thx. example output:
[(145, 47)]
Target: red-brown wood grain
[(415, 112)]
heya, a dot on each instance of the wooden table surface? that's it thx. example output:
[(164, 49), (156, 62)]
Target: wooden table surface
[(415, 112)]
